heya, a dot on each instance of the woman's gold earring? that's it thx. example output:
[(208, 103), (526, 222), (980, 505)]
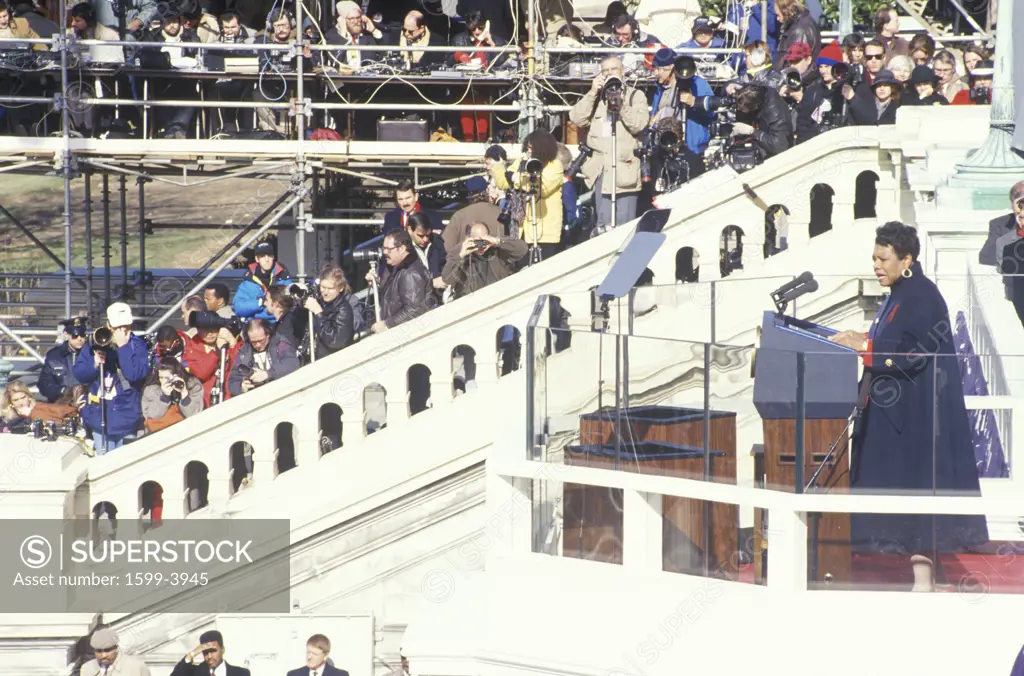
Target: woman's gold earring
[(907, 273)]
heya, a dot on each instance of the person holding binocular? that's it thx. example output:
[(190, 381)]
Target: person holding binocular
[(538, 180), (114, 364)]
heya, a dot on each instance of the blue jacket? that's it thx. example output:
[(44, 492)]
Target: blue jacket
[(129, 366), (252, 289), (716, 43), (698, 121), (570, 206), (57, 375), (735, 15)]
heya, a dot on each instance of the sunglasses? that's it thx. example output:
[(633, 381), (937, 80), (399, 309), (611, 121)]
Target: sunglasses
[(874, 57)]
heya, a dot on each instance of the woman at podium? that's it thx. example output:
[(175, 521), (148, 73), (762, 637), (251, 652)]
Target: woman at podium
[(912, 436)]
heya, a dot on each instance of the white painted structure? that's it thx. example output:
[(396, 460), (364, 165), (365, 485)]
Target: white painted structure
[(398, 525)]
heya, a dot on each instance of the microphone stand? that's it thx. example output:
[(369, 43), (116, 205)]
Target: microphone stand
[(103, 408), (815, 517)]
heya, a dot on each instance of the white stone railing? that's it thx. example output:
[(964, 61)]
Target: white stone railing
[(710, 203)]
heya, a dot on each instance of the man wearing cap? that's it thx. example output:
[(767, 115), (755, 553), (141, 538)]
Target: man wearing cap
[(57, 375), (678, 88), (251, 295), (814, 98), (109, 660), (704, 38), (118, 398), (479, 209)]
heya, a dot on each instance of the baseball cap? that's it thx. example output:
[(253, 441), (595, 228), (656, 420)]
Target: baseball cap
[(103, 639), (663, 57), (476, 184), (76, 326), (264, 249), (119, 314), (797, 51), (703, 23)]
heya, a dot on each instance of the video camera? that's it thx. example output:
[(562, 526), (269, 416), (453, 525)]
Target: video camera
[(585, 152), (657, 147), (50, 430), (211, 321), (981, 96), (792, 79)]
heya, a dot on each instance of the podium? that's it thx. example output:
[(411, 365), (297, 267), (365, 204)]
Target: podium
[(830, 390)]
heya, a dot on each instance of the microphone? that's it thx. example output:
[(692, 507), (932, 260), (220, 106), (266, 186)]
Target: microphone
[(803, 278), (793, 294)]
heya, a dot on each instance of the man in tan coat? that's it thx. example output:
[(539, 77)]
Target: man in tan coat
[(109, 660), (592, 111)]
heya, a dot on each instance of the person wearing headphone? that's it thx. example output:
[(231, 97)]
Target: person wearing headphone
[(626, 33), (271, 88), (232, 32)]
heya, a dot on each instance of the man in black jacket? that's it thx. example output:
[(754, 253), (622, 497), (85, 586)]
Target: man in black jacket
[(211, 647), (333, 317), (416, 33), (1004, 250), (762, 115), (408, 203), (174, 121), (407, 292), (57, 377)]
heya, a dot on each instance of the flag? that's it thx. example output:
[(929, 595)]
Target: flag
[(988, 446)]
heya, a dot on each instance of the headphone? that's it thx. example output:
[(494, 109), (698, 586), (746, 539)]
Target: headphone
[(86, 12), (280, 13), (635, 27)]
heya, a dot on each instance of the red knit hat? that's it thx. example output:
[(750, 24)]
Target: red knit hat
[(831, 55)]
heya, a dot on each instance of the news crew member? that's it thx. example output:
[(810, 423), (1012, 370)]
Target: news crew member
[(407, 292), (911, 400), (679, 87), (171, 395), (764, 116), (333, 316), (57, 375), (592, 111), (118, 399), (264, 357), (482, 260), (265, 271)]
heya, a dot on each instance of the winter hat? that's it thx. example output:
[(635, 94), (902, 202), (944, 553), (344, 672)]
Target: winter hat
[(798, 51), (923, 75), (664, 57), (885, 77), (830, 55)]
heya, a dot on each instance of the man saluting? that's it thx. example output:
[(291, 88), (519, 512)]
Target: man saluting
[(211, 648)]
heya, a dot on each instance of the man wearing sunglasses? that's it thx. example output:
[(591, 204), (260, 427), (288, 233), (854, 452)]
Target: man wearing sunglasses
[(416, 33), (874, 63), (56, 376)]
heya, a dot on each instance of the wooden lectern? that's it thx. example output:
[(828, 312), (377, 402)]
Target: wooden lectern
[(667, 441), (830, 390)]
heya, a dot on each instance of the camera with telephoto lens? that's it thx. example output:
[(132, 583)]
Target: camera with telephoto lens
[(244, 370), (532, 169), (211, 321), (847, 74), (585, 152), (792, 80), (611, 93), (177, 389), (656, 148), (102, 337), (50, 430), (367, 255), (300, 292), (743, 154)]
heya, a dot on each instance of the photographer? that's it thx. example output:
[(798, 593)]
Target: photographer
[(479, 208), (541, 176), (676, 96), (980, 93), (170, 395), (763, 116), (818, 101), (407, 292), (483, 259), (597, 110), (263, 358), (333, 317), (124, 360), (287, 321), (202, 354)]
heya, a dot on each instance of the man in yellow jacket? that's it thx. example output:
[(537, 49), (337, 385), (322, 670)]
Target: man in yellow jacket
[(543, 230)]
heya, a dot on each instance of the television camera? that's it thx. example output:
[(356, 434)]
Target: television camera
[(740, 152), (211, 321), (300, 292), (662, 159), (367, 255)]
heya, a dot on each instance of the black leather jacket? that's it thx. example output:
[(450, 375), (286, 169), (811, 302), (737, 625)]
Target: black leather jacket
[(333, 327), (57, 376), (774, 131), (799, 28), (407, 293)]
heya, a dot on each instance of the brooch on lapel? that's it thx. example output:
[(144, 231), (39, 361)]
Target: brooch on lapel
[(893, 313)]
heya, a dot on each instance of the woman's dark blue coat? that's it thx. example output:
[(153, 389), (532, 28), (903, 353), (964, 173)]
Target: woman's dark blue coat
[(910, 395)]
